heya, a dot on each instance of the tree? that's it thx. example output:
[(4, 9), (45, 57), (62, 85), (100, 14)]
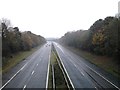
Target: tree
[(102, 38)]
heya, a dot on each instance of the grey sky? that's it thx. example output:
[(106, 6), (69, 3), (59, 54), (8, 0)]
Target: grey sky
[(53, 18)]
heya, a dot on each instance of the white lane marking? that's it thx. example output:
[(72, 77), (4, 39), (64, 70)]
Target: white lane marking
[(100, 75), (23, 66), (66, 71), (103, 78), (75, 65), (82, 73), (78, 69), (37, 64), (24, 87), (67, 74), (48, 71), (96, 73), (96, 88), (12, 77), (32, 72), (60, 49)]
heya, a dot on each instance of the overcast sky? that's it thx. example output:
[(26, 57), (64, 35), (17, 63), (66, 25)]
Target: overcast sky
[(53, 18)]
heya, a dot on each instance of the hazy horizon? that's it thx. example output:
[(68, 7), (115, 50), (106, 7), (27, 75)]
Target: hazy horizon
[(52, 19)]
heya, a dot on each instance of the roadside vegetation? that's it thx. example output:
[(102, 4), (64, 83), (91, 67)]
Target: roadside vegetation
[(18, 57), (16, 45), (59, 74), (104, 62), (100, 43)]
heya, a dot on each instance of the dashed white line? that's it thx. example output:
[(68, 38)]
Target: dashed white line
[(96, 73), (96, 88), (37, 64), (82, 73), (32, 72), (12, 77), (24, 87), (78, 69), (103, 78), (75, 65)]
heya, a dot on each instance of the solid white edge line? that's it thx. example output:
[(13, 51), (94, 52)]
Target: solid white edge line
[(103, 77), (62, 72), (66, 70), (17, 71), (23, 66), (60, 49), (12, 77), (48, 71), (78, 69), (98, 74)]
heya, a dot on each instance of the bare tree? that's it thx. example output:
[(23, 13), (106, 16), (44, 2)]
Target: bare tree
[(6, 22)]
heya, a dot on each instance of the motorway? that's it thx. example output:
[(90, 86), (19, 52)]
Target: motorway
[(81, 73), (34, 72)]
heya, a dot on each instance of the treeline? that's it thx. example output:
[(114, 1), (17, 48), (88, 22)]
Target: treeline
[(14, 41), (102, 38)]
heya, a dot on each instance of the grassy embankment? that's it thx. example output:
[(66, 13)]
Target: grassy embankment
[(104, 62), (17, 58), (59, 77)]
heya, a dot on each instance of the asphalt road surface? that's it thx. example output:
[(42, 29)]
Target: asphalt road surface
[(83, 74), (34, 72)]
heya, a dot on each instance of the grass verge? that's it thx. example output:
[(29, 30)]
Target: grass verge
[(59, 77), (18, 57), (104, 62)]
